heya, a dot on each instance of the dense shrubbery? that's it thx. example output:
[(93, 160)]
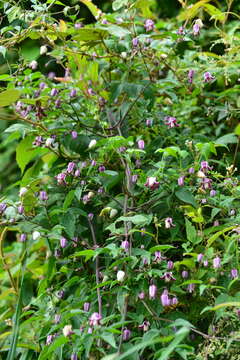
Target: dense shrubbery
[(119, 239)]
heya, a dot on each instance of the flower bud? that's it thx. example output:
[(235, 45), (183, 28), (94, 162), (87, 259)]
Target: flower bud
[(43, 196), (126, 334), (54, 92), (141, 295), (36, 235), (74, 134), (23, 191), (20, 209), (216, 262), (141, 144), (113, 213), (43, 49), (199, 257), (33, 65), (120, 275), (73, 93), (23, 237), (170, 265), (86, 306), (184, 274), (164, 298), (67, 330), (63, 242), (152, 291)]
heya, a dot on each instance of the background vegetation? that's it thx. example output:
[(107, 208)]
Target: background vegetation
[(120, 182)]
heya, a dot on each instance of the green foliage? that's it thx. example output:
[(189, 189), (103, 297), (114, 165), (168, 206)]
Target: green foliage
[(119, 231)]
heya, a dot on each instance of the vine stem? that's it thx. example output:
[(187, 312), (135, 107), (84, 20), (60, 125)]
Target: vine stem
[(123, 320), (2, 237), (206, 336), (97, 268)]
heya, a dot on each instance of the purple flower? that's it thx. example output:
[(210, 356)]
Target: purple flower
[(184, 274), (63, 242), (73, 93), (90, 91), (144, 326), (20, 209), (95, 319), (70, 167), (216, 262), (42, 85), (164, 298), (169, 223), (190, 76), (51, 75), (90, 330), (90, 216), (60, 294), (170, 265), (174, 301), (3, 207), (74, 134), (234, 273), (213, 193), (54, 92), (43, 196), (77, 173), (23, 237), (152, 183), (181, 180), (78, 25), (149, 122), (149, 25), (125, 245), (49, 339), (205, 263), (134, 178), (167, 276), (206, 183), (196, 29), (181, 31), (141, 144), (61, 178), (57, 319), (204, 167), (191, 288), (191, 170), (86, 306), (171, 122), (199, 257), (74, 356), (126, 334), (38, 141), (135, 42), (152, 291), (141, 295), (207, 77), (101, 168), (158, 256)]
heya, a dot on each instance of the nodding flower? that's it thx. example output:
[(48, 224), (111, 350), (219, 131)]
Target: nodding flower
[(169, 223), (95, 319), (171, 122), (152, 183), (165, 298), (152, 291), (149, 25)]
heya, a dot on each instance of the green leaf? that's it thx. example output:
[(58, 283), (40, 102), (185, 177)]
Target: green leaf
[(3, 51), (191, 231), (87, 253), (8, 97), (117, 31), (219, 233), (93, 8), (237, 130), (137, 219), (160, 248), (109, 338), (68, 199), (226, 139), (25, 152), (118, 4), (227, 304), (179, 336), (90, 34), (186, 196), (214, 12), (57, 343)]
